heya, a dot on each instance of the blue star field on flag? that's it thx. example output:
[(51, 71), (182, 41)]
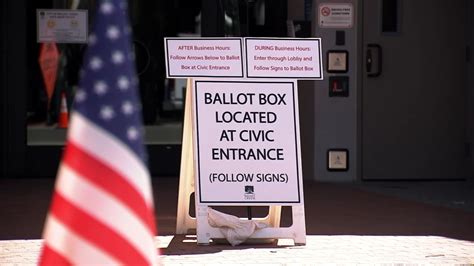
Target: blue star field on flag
[(107, 93)]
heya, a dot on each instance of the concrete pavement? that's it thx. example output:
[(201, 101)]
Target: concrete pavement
[(320, 250)]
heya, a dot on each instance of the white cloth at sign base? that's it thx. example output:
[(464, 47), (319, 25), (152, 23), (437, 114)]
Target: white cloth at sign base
[(234, 229)]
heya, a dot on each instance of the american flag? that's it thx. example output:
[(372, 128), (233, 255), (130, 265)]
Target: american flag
[(102, 209)]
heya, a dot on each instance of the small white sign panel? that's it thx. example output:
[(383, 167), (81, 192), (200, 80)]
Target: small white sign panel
[(284, 58), (336, 15), (337, 160), (203, 57), (247, 142), (337, 61), (61, 25)]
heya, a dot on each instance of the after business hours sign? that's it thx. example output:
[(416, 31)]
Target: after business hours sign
[(247, 148)]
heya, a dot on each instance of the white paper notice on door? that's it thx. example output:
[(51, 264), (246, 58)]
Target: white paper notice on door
[(335, 15), (62, 25)]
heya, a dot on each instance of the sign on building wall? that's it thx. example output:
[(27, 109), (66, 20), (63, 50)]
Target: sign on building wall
[(335, 15), (247, 142), (61, 25)]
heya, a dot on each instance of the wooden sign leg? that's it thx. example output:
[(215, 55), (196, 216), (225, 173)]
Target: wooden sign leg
[(299, 225), (184, 221)]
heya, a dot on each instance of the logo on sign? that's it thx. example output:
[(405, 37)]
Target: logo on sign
[(325, 11), (51, 23), (249, 190), (249, 193), (74, 23)]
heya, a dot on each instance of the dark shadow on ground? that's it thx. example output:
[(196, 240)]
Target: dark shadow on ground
[(331, 209), (187, 244)]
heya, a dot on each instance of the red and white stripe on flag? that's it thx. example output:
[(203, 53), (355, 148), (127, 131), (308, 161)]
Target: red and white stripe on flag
[(102, 209)]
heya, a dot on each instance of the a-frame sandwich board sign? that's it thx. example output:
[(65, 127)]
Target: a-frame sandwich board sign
[(264, 152)]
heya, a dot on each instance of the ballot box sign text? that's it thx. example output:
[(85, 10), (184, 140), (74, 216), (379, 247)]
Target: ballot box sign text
[(284, 58), (247, 142), (204, 57)]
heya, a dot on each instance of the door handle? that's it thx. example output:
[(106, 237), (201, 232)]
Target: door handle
[(371, 60)]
